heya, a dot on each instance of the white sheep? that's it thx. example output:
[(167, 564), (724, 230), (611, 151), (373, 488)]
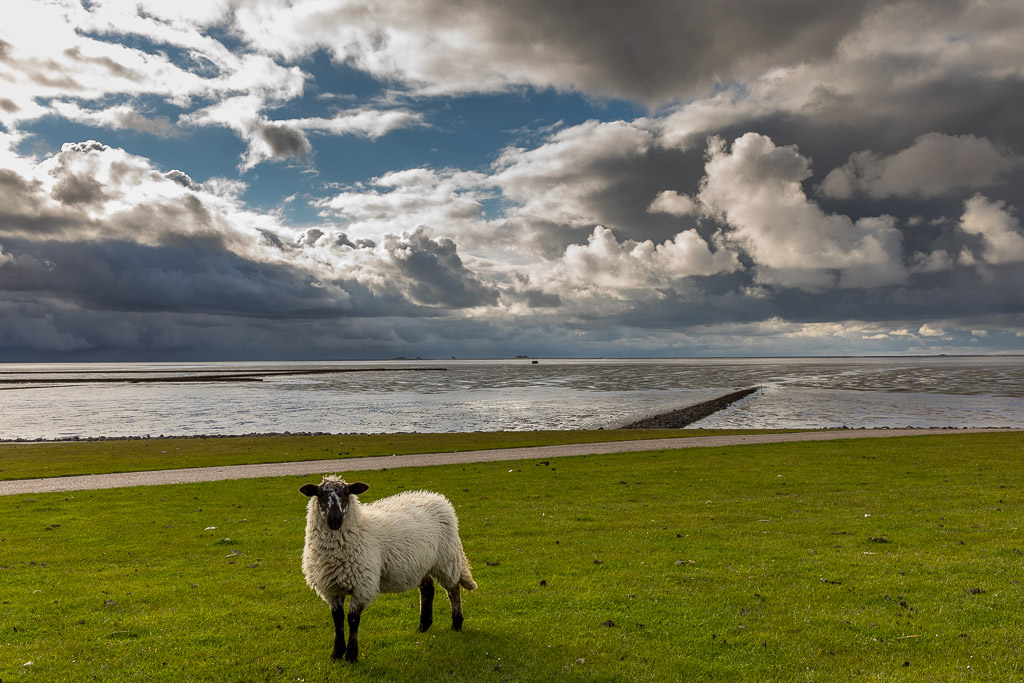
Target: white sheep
[(389, 546)]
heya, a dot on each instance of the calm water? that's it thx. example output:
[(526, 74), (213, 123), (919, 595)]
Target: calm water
[(441, 396)]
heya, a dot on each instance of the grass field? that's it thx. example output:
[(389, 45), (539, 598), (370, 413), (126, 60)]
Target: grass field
[(58, 459), (875, 559)]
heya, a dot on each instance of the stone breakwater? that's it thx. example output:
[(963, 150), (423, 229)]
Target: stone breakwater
[(683, 417)]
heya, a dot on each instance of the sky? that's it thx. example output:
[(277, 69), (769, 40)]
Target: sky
[(335, 179)]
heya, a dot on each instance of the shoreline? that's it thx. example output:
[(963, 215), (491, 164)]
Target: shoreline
[(177, 376), (273, 435)]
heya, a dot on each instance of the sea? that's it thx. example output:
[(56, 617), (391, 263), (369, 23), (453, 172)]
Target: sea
[(84, 401)]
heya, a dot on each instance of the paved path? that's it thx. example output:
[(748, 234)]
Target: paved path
[(317, 467)]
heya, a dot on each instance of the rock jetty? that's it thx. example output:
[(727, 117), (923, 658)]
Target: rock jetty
[(683, 417)]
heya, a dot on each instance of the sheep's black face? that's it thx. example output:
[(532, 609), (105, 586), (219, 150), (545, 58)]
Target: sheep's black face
[(333, 499)]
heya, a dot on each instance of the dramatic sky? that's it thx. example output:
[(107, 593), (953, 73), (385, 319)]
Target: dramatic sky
[(316, 179)]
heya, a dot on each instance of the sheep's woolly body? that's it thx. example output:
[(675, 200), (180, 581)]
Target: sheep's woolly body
[(384, 547)]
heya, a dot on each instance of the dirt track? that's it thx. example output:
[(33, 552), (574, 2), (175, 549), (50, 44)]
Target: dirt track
[(316, 467)]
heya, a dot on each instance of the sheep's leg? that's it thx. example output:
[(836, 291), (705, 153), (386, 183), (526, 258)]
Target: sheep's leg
[(426, 603), (338, 614), (455, 597), (354, 612)]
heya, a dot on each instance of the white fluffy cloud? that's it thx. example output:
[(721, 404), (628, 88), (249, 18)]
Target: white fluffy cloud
[(60, 50), (756, 187), (1002, 240), (934, 165), (449, 201), (626, 267), (671, 202)]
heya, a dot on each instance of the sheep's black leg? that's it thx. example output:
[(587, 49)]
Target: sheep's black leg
[(353, 632), (338, 614), (426, 603), (455, 597)]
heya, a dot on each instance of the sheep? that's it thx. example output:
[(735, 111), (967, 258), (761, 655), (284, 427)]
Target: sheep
[(389, 546)]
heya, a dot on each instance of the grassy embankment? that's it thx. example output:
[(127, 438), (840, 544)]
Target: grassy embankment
[(885, 559), (58, 459)]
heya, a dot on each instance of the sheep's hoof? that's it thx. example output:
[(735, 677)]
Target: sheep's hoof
[(424, 625), (352, 655), (337, 654)]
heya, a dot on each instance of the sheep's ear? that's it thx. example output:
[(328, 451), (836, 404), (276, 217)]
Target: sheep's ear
[(358, 487), (309, 489)]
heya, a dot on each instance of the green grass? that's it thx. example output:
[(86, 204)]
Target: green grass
[(58, 459), (875, 559)]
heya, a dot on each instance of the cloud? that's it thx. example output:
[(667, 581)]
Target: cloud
[(1001, 237), (430, 272), (671, 202), (933, 166), (278, 140), (447, 200), (631, 269), (557, 179), (565, 236), (182, 179), (653, 52), (70, 52), (932, 262), (190, 275), (905, 68), (559, 190), (756, 189), (286, 138), (103, 230), (369, 123), (122, 116)]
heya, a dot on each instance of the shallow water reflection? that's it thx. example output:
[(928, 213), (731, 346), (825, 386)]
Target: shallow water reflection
[(508, 395)]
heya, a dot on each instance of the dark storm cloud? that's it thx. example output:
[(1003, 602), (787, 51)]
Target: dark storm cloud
[(962, 293), (654, 51), (283, 141), (76, 189), (430, 272), (16, 194), (22, 212), (193, 276)]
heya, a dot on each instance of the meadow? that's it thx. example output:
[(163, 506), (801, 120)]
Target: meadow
[(873, 559), (64, 458)]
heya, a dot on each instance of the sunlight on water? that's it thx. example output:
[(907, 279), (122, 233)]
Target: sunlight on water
[(67, 401)]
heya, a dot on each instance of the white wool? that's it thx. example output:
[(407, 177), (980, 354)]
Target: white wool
[(387, 546)]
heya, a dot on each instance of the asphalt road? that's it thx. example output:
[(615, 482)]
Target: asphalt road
[(319, 467)]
